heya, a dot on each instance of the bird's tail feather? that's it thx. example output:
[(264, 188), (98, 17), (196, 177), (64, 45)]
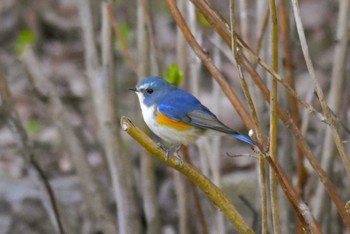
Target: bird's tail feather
[(244, 138)]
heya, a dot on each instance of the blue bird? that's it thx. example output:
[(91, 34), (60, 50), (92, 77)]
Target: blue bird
[(176, 116)]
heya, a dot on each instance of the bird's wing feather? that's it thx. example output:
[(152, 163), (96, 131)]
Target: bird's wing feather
[(203, 118), (177, 104), (186, 108)]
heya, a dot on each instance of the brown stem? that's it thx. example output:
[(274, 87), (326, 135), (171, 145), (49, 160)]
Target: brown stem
[(241, 110), (219, 25)]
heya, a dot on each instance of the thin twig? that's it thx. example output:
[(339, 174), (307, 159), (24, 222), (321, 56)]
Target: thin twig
[(218, 24), (335, 98), (148, 177), (252, 208), (288, 71), (181, 187), (151, 35), (289, 193), (241, 110), (290, 79), (94, 196), (329, 117), (196, 197), (103, 94), (50, 192), (289, 123), (274, 120), (263, 30), (123, 43), (26, 149), (259, 135)]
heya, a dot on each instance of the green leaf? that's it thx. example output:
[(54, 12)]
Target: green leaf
[(24, 38), (125, 32), (202, 20), (33, 126), (173, 75)]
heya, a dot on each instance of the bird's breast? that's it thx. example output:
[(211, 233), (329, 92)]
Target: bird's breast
[(169, 122), (170, 130)]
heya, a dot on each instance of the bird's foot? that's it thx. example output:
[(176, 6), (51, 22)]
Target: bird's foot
[(174, 150)]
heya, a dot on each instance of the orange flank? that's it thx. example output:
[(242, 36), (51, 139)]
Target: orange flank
[(166, 121)]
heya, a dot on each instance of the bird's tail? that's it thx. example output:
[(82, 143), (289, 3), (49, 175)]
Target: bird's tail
[(244, 138)]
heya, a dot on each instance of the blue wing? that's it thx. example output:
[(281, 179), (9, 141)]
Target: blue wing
[(184, 107), (177, 104)]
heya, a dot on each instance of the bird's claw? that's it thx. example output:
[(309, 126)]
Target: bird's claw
[(174, 150)]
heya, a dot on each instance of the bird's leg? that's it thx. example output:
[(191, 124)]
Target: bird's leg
[(173, 149), (162, 147)]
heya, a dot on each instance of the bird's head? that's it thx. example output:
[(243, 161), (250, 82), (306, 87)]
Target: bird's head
[(151, 90)]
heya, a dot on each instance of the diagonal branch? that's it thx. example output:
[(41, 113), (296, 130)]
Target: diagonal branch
[(25, 146), (213, 192), (332, 122), (242, 111), (220, 26)]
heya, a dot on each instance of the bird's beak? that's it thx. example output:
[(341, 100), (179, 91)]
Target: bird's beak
[(133, 89)]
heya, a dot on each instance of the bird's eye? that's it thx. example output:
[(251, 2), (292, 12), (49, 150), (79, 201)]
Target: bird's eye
[(149, 90)]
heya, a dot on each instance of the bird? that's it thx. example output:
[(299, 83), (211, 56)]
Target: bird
[(178, 117)]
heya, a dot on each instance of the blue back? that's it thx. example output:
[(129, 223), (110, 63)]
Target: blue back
[(182, 106)]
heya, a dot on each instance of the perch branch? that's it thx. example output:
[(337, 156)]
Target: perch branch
[(212, 191)]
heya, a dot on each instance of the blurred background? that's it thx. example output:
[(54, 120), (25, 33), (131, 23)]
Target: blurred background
[(66, 67)]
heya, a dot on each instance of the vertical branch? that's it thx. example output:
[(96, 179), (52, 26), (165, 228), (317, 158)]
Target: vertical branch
[(102, 86), (241, 110), (181, 47), (287, 55), (106, 38), (151, 35), (195, 62), (263, 194), (262, 164), (302, 211), (194, 65), (243, 18), (330, 119), (48, 197), (274, 120), (288, 71), (148, 181), (335, 98), (262, 23), (181, 187), (262, 31), (220, 26), (93, 195), (214, 156), (331, 189), (123, 44)]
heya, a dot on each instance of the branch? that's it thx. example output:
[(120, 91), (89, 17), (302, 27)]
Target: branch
[(103, 93), (332, 122), (218, 23), (213, 192), (274, 120), (259, 135), (94, 197), (26, 149), (221, 27), (335, 97), (180, 21)]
